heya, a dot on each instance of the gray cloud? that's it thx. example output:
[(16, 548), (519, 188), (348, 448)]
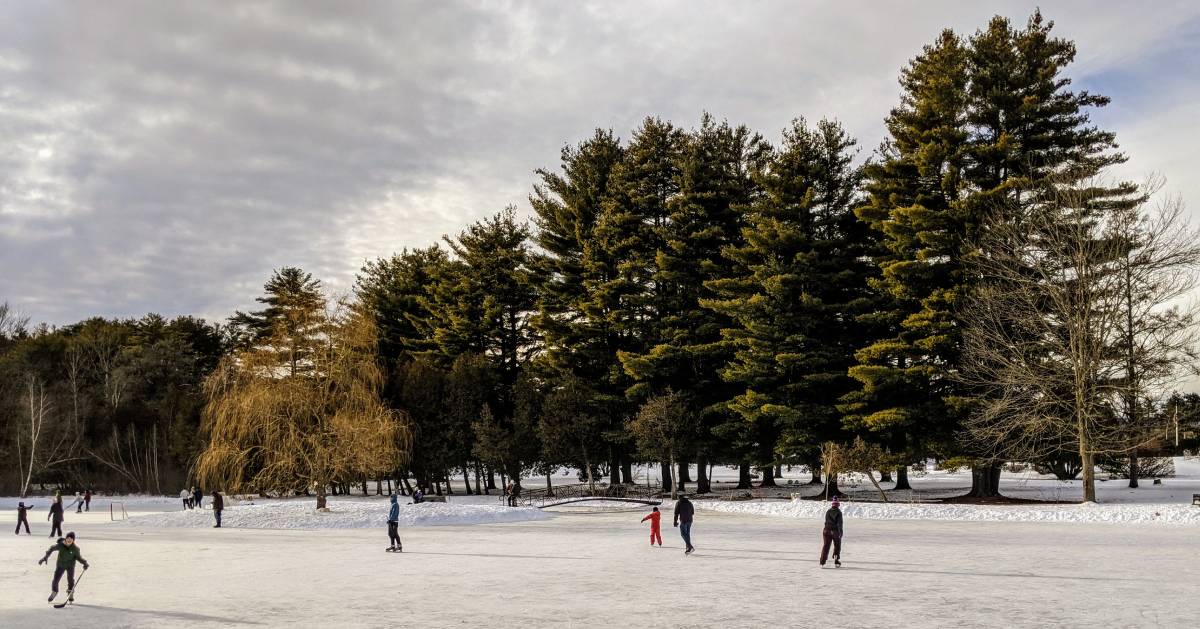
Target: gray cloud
[(166, 156)]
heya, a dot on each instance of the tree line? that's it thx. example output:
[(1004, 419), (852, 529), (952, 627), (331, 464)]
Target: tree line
[(976, 290)]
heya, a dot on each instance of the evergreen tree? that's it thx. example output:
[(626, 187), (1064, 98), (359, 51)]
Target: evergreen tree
[(794, 306), (289, 324)]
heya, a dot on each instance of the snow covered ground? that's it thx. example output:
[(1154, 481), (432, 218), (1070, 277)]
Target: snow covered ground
[(343, 513), (593, 569)]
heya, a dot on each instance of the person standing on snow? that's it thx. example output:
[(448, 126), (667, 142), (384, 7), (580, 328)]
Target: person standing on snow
[(68, 554), (186, 497), (393, 523), (197, 498), (655, 530), (55, 516), (832, 533), (23, 518), (87, 500), (218, 507), (78, 503), (684, 512)]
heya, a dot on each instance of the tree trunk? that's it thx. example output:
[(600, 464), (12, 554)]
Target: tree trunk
[(665, 473), (831, 487), (815, 468), (1089, 475), (677, 485), (744, 475), (768, 476), (407, 485), (1133, 469), (885, 476), (321, 495), (379, 487), (467, 478), (479, 490), (549, 484), (702, 483), (626, 470), (491, 479), (364, 483), (685, 472), (902, 478), (985, 480), (614, 469), (446, 479), (778, 471)]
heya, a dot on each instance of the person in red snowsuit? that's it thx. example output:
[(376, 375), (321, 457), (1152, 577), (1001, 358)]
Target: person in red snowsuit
[(655, 531)]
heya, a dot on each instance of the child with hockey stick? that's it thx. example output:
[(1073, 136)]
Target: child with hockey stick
[(68, 554), (655, 531), (23, 518)]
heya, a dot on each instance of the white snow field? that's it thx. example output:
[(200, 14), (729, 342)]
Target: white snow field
[(593, 568)]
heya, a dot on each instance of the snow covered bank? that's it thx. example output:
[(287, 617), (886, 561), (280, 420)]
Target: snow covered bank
[(342, 514), (1092, 513)]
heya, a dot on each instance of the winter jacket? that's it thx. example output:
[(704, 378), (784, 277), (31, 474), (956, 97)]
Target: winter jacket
[(418, 497), (21, 509), (654, 517), (185, 495), (394, 512), (56, 512), (218, 502), (67, 555), (833, 521), (684, 511)]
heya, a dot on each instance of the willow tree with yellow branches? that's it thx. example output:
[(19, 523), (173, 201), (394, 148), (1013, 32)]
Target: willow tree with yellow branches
[(273, 427)]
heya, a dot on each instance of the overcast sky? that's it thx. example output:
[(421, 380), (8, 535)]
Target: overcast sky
[(166, 156)]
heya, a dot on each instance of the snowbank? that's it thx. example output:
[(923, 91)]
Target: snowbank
[(1089, 513), (342, 514)]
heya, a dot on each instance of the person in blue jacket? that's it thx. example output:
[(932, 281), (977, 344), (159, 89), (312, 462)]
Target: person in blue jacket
[(393, 527)]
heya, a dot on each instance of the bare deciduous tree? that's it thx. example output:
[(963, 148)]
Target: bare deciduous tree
[(1043, 334)]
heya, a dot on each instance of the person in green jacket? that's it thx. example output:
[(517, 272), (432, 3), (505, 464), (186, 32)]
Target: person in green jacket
[(68, 554)]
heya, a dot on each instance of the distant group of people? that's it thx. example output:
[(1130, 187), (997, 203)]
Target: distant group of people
[(192, 498), (82, 502)]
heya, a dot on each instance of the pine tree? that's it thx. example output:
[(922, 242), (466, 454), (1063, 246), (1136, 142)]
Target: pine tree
[(983, 125), (704, 218), (793, 307), (290, 322)]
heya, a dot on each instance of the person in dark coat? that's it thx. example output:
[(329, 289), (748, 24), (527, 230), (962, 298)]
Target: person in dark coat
[(87, 500), (393, 523), (68, 554), (197, 498), (218, 507), (832, 533), (418, 496), (684, 512), (56, 516), (23, 518)]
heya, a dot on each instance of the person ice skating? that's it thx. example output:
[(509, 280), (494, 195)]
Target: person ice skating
[(684, 512), (68, 554), (56, 516), (197, 498), (77, 503), (393, 523), (418, 496), (218, 506), (87, 500), (832, 533), (23, 518), (186, 497), (655, 530)]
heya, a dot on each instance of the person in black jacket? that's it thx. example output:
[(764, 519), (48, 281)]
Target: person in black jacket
[(23, 518), (832, 533), (56, 516), (218, 507), (685, 511), (197, 498), (68, 554)]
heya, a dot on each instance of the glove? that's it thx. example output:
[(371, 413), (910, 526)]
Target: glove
[(85, 567), (41, 561)]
